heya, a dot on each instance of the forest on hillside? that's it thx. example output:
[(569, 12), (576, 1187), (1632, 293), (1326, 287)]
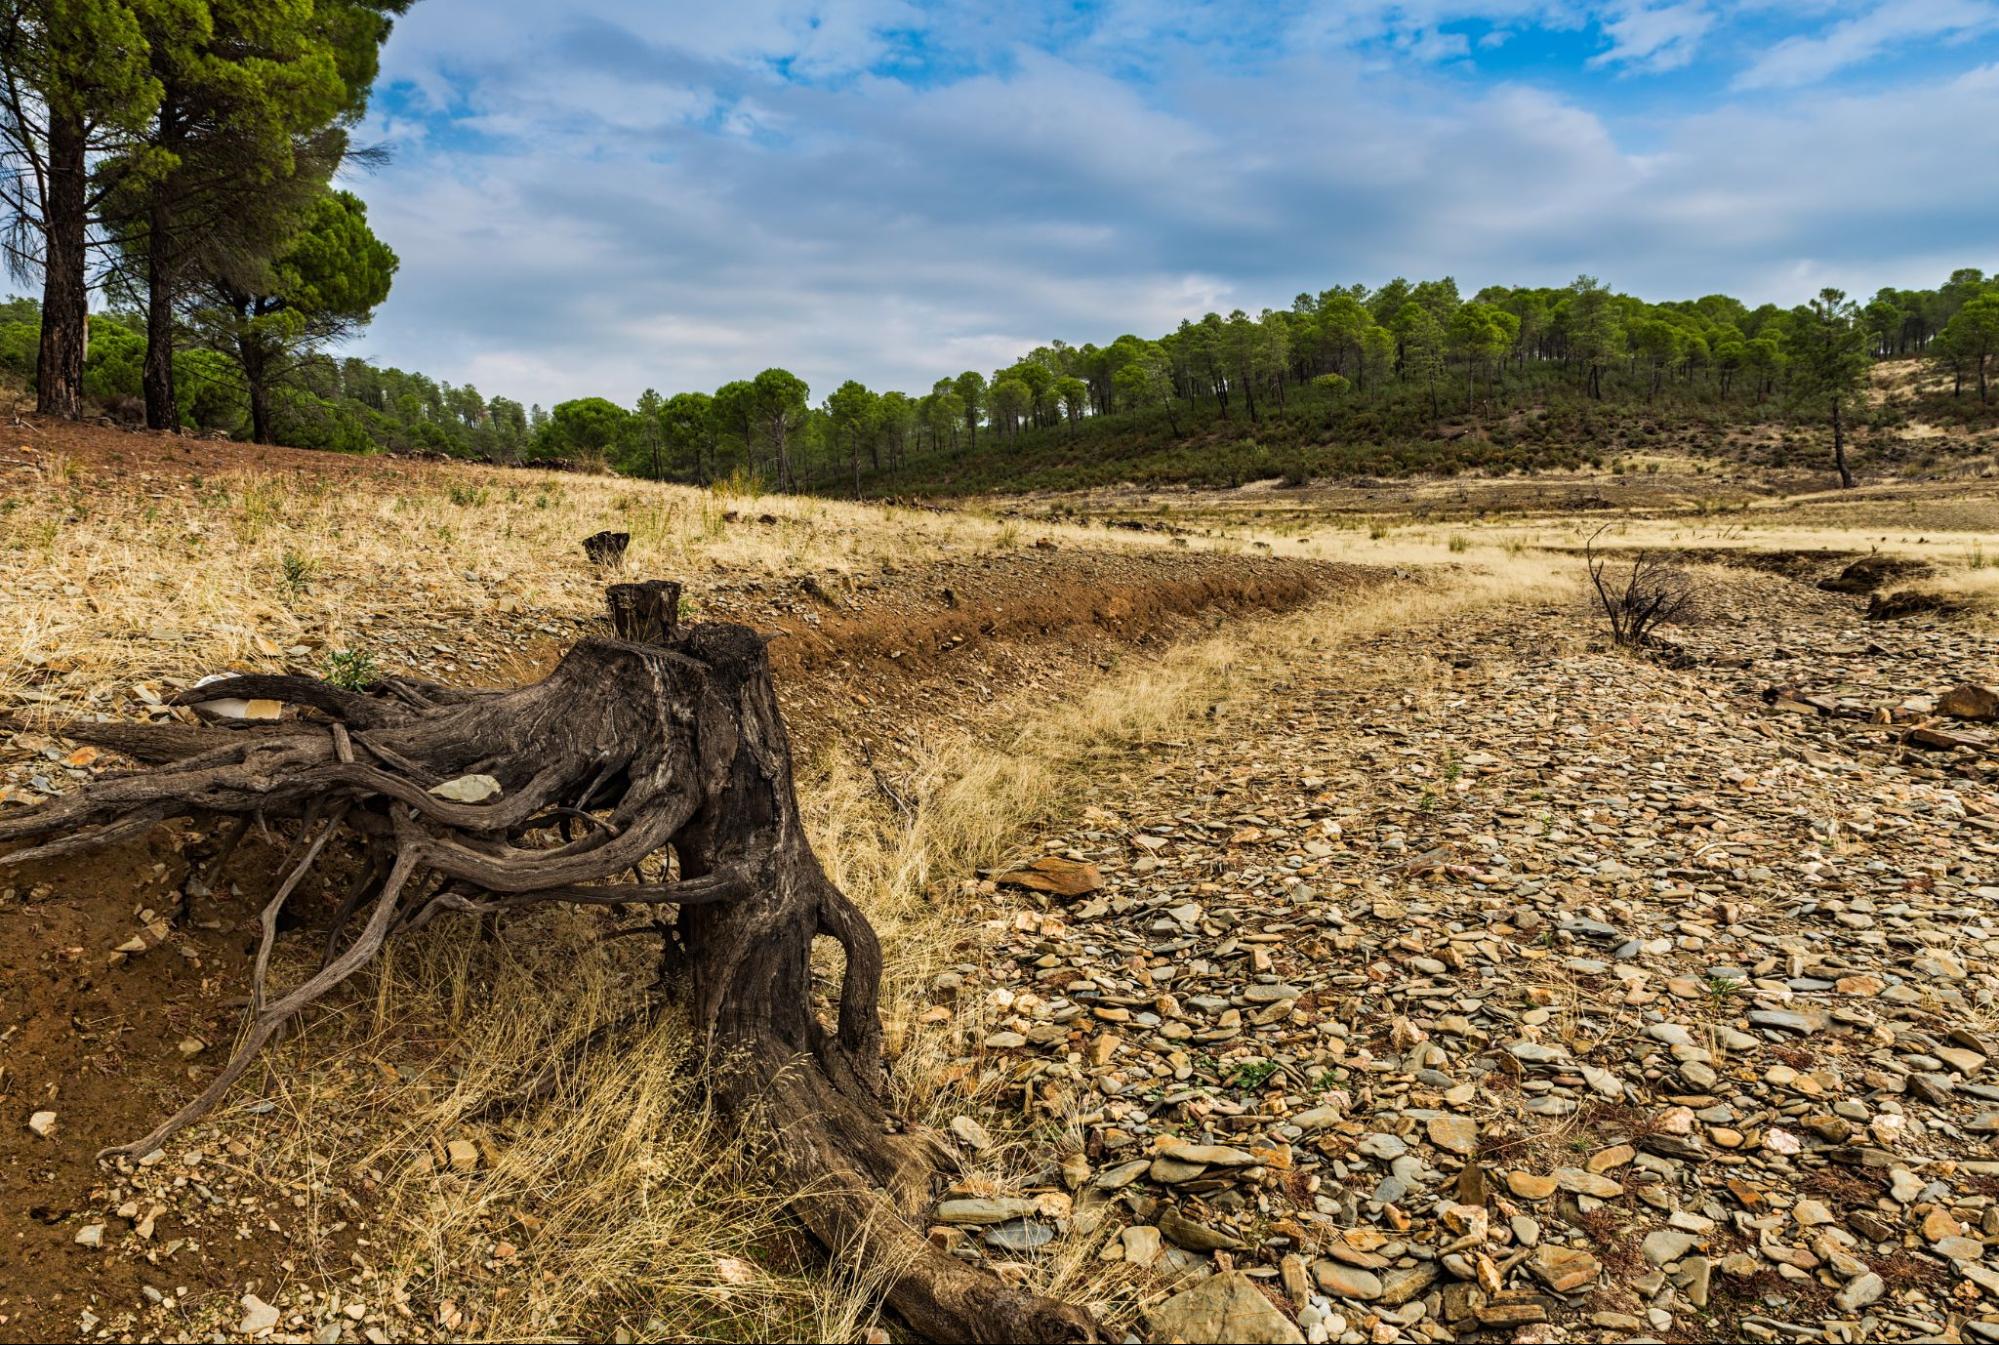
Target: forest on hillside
[(1398, 379), (177, 167)]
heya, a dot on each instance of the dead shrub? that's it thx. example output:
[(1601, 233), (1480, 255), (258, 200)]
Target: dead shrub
[(1636, 599)]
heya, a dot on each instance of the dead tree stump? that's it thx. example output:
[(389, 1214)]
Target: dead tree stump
[(646, 613), (665, 743), (607, 548)]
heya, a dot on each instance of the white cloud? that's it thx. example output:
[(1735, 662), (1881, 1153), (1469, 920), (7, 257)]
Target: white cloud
[(1654, 37), (627, 237), (1800, 60)]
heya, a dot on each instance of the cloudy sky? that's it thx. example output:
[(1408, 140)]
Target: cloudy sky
[(600, 196)]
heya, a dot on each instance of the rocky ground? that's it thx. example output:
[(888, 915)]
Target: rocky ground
[(1480, 980)]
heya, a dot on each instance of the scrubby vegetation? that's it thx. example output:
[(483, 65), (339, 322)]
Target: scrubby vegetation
[(1402, 380)]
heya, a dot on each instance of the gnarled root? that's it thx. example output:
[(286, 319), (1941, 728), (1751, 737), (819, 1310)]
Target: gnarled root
[(652, 769)]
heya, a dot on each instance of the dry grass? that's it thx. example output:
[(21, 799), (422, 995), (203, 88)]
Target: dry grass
[(621, 1206), (104, 582)]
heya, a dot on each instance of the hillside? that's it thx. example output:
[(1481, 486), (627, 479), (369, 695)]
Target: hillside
[(1912, 426)]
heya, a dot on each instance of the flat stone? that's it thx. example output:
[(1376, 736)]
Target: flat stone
[(1562, 1269), (1056, 876), (467, 789), (259, 1318), (1859, 1291), (1580, 1182), (1344, 1281), (1222, 1308), (1207, 1155), (1121, 1176), (1271, 994), (1383, 1146), (1142, 1244), (1400, 1286), (1531, 1186), (984, 1211), (970, 1133), (1458, 1134), (1194, 1236), (1665, 1245), (1019, 1235), (1783, 1020)]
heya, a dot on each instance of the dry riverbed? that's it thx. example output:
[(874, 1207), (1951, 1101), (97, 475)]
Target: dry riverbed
[(1478, 979)]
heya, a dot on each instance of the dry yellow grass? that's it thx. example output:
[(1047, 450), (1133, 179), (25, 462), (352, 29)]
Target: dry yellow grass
[(626, 1208), (103, 584)]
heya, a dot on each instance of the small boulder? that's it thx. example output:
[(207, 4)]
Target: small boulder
[(1225, 1307), (1970, 701)]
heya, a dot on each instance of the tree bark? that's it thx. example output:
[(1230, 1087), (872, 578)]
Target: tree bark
[(65, 288), (162, 288), (1839, 448), (663, 741), (157, 377)]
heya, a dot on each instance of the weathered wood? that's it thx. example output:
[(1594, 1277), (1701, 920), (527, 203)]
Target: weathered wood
[(665, 738), (607, 548), (646, 613)]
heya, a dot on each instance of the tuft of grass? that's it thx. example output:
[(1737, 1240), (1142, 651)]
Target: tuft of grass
[(354, 669)]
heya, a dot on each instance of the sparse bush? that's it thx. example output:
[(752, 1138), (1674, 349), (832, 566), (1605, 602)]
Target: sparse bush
[(353, 669), (1635, 601)]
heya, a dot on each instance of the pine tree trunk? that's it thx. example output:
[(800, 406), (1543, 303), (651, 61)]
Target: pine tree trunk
[(1839, 448), (162, 405), (65, 291)]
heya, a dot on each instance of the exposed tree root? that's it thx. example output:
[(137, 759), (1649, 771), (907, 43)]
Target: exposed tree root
[(652, 770)]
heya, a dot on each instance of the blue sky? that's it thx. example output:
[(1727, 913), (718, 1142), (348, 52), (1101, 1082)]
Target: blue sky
[(606, 195)]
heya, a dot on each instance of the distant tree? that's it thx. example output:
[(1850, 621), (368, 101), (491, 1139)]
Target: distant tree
[(1763, 357), (1593, 330), (852, 410), (1039, 380), (688, 429), (1481, 335), (895, 417), (970, 390), (735, 412), (1146, 382), (584, 428), (1883, 318), (323, 287), (1009, 399), (777, 400), (1973, 335), (1074, 396), (1377, 350), (1658, 343), (648, 436), (1335, 387), (1422, 341), (507, 422), (1828, 363)]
